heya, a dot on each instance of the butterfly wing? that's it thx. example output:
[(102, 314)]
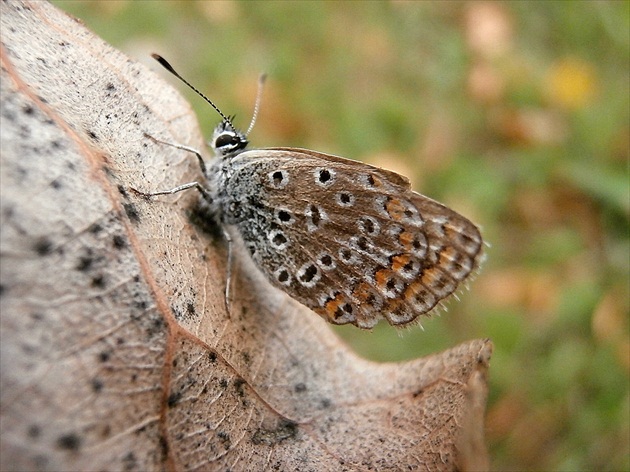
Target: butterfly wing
[(350, 241)]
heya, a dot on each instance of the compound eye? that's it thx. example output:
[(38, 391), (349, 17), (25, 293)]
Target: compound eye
[(225, 140)]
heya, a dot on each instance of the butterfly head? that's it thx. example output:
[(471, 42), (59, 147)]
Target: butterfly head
[(227, 140)]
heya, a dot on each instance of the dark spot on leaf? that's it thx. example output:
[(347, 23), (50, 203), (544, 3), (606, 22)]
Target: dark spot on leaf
[(119, 241), (300, 387), (97, 385), (25, 132), (123, 191), (104, 356), (130, 462), (43, 246), (41, 461), (141, 304), (84, 264), (132, 212), (70, 442), (95, 228), (164, 446), (238, 386), (92, 135), (173, 399), (27, 349), (225, 439), (190, 309), (286, 429), (33, 431), (212, 356), (98, 281), (156, 325), (246, 357)]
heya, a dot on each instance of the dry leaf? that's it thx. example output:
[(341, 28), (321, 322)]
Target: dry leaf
[(117, 350)]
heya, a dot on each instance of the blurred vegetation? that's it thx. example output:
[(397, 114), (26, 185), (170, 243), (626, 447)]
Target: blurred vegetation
[(515, 114)]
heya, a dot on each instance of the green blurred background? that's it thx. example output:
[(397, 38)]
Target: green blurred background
[(514, 114)]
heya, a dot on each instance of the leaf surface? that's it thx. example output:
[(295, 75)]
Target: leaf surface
[(117, 352)]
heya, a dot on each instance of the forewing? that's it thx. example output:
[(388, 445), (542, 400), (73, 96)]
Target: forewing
[(350, 241)]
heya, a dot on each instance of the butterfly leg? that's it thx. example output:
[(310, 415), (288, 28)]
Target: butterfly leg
[(200, 160), (182, 187), (177, 189), (230, 261)]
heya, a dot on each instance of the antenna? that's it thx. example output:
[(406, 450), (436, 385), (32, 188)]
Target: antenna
[(261, 83), (169, 68)]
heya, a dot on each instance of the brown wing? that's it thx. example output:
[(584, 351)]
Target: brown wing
[(349, 240)]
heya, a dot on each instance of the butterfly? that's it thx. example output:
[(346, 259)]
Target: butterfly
[(350, 241)]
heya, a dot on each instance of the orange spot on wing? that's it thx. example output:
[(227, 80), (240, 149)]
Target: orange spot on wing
[(448, 253), (362, 292), (413, 289), (430, 276), (400, 261), (331, 308), (406, 240), (395, 208), (382, 277)]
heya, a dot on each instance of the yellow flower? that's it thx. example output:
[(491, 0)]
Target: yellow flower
[(571, 83)]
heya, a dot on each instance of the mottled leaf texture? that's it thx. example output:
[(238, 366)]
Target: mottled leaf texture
[(116, 348)]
